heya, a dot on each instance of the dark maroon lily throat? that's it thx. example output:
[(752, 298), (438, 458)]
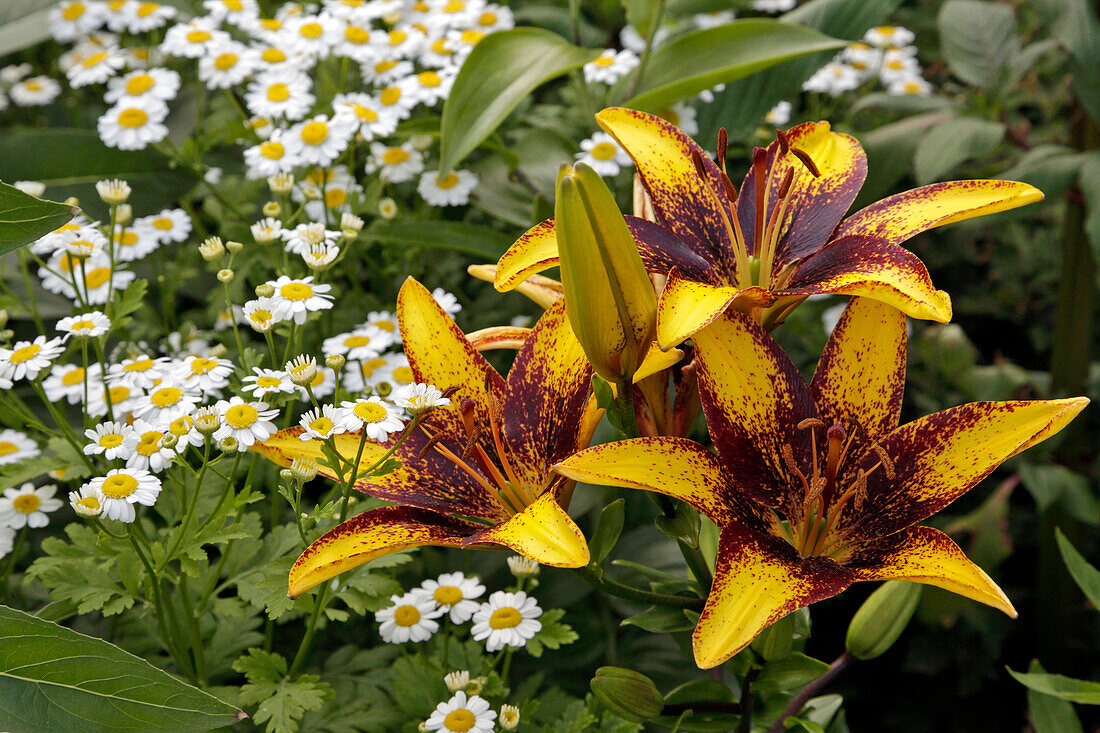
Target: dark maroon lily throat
[(815, 500)]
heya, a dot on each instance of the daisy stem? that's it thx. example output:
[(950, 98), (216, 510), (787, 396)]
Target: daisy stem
[(11, 562), (193, 629), (28, 284), (654, 25), (66, 431), (233, 320), (159, 605), (102, 528), (168, 556), (508, 651), (352, 472)]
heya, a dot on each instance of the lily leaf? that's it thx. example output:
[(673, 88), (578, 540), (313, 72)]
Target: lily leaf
[(456, 236), (1085, 575), (1060, 686), (24, 218), (54, 679), (501, 70), (1049, 714), (701, 59)]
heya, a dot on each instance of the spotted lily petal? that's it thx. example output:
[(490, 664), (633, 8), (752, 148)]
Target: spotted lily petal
[(657, 360), (370, 535), (499, 337), (542, 290), (874, 268), (938, 458), (758, 579), (861, 373), (285, 446), (542, 532), (753, 398), (926, 555), (688, 305), (904, 215)]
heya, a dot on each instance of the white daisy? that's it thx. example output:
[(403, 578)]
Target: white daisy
[(247, 422), (193, 39), (186, 433), (773, 6), (35, 92), (610, 66), (204, 373), (301, 370), (897, 65), (121, 488), (322, 384), (267, 230), (452, 189), (148, 16), (355, 41), (493, 18), (264, 382), (227, 64), (278, 154), (602, 153), (508, 619), (374, 119), (683, 116), (132, 244), (418, 398), (260, 314), (386, 71), (133, 124), (454, 593), (96, 68), (358, 345), (395, 164), (833, 79), (322, 423), (85, 325), (280, 93), (377, 418), (430, 86), (7, 540), (863, 58), (139, 372), (631, 39), (147, 449), (509, 717), (779, 115), (73, 19), (170, 225), (296, 298), (27, 358), (323, 139), (28, 506), (85, 502), (110, 439), (123, 399), (233, 11), (66, 382), (914, 85), (15, 447), (447, 301), (403, 42), (314, 35), (385, 321), (886, 36), (462, 715), (410, 618), (167, 401)]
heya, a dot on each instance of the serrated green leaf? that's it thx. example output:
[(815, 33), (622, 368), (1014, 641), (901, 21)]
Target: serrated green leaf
[(978, 39), (24, 218), (552, 635), (55, 679), (501, 70)]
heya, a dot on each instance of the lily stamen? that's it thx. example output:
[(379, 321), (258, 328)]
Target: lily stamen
[(743, 275)]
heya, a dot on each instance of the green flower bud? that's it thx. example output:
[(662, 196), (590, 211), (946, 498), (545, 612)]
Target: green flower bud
[(272, 208), (225, 276), (883, 616), (629, 694), (335, 362), (266, 290), (233, 247)]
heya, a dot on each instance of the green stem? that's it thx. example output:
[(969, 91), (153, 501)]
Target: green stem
[(28, 283), (697, 564), (655, 23), (193, 628), (590, 576), (178, 540), (11, 561), (159, 605)]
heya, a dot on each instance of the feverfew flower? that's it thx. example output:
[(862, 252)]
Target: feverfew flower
[(295, 299), (28, 506), (323, 139), (281, 93), (886, 36), (454, 593), (85, 502), (462, 715), (375, 120), (409, 619), (779, 115), (915, 86), (139, 371), (36, 91), (418, 398), (322, 423), (169, 400), (603, 154), (610, 66), (133, 124), (522, 567), (193, 39), (833, 79), (452, 189), (260, 314), (358, 345), (508, 619), (226, 65), (96, 68), (27, 358), (372, 415), (121, 488), (147, 449), (264, 382), (85, 325), (306, 235), (66, 382), (204, 373), (280, 153), (71, 20), (447, 301), (15, 447), (898, 65), (247, 422), (395, 164), (170, 225)]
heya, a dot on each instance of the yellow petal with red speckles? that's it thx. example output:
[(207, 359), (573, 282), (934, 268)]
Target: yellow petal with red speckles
[(657, 360), (926, 555), (541, 290), (758, 579), (285, 446), (861, 373), (903, 215), (498, 337), (542, 532), (536, 250), (686, 306), (373, 534)]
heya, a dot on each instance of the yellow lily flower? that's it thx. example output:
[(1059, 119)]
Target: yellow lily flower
[(476, 473), (814, 486), (766, 247)]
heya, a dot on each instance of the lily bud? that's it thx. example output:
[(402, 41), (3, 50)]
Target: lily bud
[(609, 298), (883, 616), (629, 694)]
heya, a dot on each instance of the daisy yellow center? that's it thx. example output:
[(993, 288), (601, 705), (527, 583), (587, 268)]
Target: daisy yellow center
[(110, 440), (335, 197), (296, 291), (886, 30), (385, 326), (440, 46), (268, 382), (315, 133), (605, 61), (355, 34), (354, 341), (365, 113), (241, 416), (118, 394), (25, 354), (7, 448), (139, 84), (371, 412), (90, 504), (150, 442), (133, 117), (271, 24), (278, 92), (82, 325), (383, 66), (32, 86), (471, 37), (389, 96), (26, 503), (406, 615), (162, 223), (234, 5), (272, 150), (72, 12), (448, 181), (202, 365), (273, 56), (321, 425), (370, 366), (299, 371), (447, 595), (141, 365), (97, 278), (318, 379), (119, 486), (505, 618), (487, 19), (75, 377), (398, 37), (312, 30), (94, 59), (261, 316), (198, 37), (226, 61), (395, 156), (460, 720), (912, 87), (127, 238), (603, 151), (404, 375), (181, 426), (166, 396), (455, 6)]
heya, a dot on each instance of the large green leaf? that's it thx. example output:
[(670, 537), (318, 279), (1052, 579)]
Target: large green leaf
[(701, 59), (456, 236), (501, 70), (23, 23), (24, 218), (978, 39), (70, 161), (1085, 575), (54, 679), (1075, 25), (1048, 713), (951, 143), (890, 151), (1060, 686)]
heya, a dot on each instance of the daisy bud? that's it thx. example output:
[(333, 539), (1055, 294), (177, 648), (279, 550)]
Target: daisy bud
[(522, 567), (228, 444), (72, 201), (123, 214), (207, 420), (7, 334), (880, 620), (265, 290), (629, 694), (458, 680), (509, 717), (281, 183), (350, 224), (421, 142), (286, 475), (169, 441), (113, 191), (335, 362), (382, 389), (85, 502), (302, 370), (218, 350), (422, 727), (233, 247), (304, 469), (272, 208), (476, 685), (212, 249), (392, 18), (225, 276), (387, 208)]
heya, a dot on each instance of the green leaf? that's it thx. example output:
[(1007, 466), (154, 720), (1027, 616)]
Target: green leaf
[(790, 673), (1075, 25), (281, 702), (23, 23), (24, 218), (55, 679), (978, 39), (700, 59), (1089, 181), (956, 140), (1050, 168), (553, 633), (1060, 686), (1050, 484), (1085, 575), (608, 530), (501, 70), (1049, 714), (660, 620), (456, 236)]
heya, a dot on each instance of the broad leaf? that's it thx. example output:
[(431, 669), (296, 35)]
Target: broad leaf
[(23, 23), (1085, 575), (1075, 25), (1049, 714), (54, 679), (699, 60), (456, 236), (501, 70), (24, 218), (890, 151), (1060, 686), (979, 40), (955, 141)]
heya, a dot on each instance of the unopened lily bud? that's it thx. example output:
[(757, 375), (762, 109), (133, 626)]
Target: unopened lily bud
[(225, 276), (123, 214), (233, 247), (228, 444), (609, 297), (629, 694), (212, 249), (883, 616), (272, 208), (335, 362), (266, 290), (304, 469)]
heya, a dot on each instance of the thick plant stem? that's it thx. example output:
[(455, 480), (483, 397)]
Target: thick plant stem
[(839, 665), (746, 700)]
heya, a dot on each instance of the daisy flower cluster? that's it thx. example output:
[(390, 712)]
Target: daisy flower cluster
[(24, 507), (885, 55)]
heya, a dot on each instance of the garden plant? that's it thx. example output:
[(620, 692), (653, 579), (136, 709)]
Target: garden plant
[(549, 365)]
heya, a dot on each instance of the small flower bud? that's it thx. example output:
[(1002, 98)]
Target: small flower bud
[(72, 201), (287, 475), (509, 717), (169, 441), (302, 370), (113, 191), (335, 362), (350, 224), (272, 208), (212, 249), (225, 275), (233, 247), (7, 334), (228, 444), (458, 680), (629, 694), (281, 183), (387, 208), (522, 567), (123, 214), (421, 142), (383, 389), (218, 350), (266, 290), (883, 616), (207, 420), (304, 469), (3, 317), (476, 685)]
